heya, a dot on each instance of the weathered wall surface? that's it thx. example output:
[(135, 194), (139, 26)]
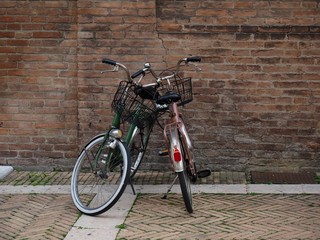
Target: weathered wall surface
[(38, 86), (256, 101)]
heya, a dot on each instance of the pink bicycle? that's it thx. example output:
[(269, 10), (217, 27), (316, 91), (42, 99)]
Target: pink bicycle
[(174, 91)]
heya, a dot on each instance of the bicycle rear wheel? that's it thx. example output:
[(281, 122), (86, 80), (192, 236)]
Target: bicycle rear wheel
[(97, 185), (185, 186), (138, 146), (184, 178), (179, 153)]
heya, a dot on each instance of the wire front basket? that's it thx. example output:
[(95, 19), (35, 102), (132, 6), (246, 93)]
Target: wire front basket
[(133, 108), (182, 86)]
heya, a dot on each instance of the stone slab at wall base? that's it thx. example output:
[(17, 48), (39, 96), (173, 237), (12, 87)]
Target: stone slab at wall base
[(283, 178), (5, 171)]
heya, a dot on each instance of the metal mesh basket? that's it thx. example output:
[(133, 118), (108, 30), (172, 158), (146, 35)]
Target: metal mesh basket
[(182, 86), (131, 107)]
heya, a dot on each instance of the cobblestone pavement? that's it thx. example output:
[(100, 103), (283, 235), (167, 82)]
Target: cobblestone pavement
[(216, 216)]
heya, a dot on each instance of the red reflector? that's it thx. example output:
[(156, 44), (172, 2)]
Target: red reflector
[(176, 154)]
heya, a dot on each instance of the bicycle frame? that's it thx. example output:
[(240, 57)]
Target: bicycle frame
[(112, 133), (133, 129)]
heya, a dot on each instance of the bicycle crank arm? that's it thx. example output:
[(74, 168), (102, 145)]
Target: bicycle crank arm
[(164, 152)]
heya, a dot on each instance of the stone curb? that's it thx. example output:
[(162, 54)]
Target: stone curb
[(200, 188)]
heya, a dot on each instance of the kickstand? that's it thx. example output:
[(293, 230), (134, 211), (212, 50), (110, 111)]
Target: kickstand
[(131, 184), (169, 190)]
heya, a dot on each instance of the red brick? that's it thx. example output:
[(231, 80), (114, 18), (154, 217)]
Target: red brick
[(92, 11), (17, 42), (61, 19), (115, 4), (7, 34), (56, 4), (8, 4), (38, 19), (211, 12), (47, 35), (7, 19)]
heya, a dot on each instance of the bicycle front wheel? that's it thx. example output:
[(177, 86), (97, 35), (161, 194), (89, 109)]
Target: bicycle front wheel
[(97, 183)]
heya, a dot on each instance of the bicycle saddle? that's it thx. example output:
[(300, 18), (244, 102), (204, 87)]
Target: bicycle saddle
[(146, 92), (168, 98)]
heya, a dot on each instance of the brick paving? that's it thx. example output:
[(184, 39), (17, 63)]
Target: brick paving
[(224, 217), (29, 216), (216, 216)]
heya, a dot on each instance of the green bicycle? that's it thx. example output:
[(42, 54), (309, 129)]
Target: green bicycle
[(103, 168)]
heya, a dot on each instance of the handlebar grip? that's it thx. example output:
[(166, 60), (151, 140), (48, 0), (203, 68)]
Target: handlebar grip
[(109, 61), (138, 73), (194, 59)]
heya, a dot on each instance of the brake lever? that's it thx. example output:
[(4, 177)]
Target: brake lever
[(115, 69)]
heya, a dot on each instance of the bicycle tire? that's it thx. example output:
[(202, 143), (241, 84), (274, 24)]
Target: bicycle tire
[(185, 176), (137, 150), (94, 190), (137, 147), (186, 190)]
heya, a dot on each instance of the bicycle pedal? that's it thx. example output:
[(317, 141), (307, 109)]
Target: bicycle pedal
[(163, 152), (204, 173)]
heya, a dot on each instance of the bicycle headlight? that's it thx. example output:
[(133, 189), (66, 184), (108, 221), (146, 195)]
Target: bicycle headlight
[(116, 133)]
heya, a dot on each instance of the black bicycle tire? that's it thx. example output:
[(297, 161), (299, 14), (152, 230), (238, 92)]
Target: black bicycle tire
[(186, 190), (184, 177), (143, 147), (122, 185)]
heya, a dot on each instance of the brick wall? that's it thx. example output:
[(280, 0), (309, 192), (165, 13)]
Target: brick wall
[(256, 102), (38, 86)]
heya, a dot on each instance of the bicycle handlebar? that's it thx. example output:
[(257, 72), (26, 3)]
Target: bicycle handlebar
[(117, 64), (109, 61), (193, 59), (138, 73), (148, 67)]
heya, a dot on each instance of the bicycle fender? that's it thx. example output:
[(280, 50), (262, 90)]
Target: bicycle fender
[(175, 144), (184, 132)]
